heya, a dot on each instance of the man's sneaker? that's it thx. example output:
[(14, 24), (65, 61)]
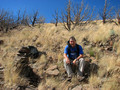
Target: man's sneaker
[(69, 78), (80, 78)]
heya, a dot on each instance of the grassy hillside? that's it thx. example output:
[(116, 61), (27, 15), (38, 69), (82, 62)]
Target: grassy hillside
[(52, 40)]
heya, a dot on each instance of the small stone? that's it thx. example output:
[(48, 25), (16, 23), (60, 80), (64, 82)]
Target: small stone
[(34, 38), (38, 44), (109, 48), (1, 42), (111, 43)]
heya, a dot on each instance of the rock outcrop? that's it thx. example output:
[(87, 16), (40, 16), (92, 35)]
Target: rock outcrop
[(1, 77)]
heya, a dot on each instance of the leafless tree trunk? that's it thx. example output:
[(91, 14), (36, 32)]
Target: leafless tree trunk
[(34, 18), (66, 17), (69, 15), (104, 11), (118, 15), (55, 16)]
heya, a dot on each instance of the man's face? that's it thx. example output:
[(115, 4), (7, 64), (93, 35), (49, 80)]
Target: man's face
[(72, 43)]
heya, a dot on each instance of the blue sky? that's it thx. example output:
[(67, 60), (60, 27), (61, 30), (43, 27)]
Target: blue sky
[(47, 7)]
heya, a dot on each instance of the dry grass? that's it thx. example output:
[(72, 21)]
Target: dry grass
[(107, 64), (49, 38), (117, 47), (49, 84), (10, 76), (111, 84), (94, 81)]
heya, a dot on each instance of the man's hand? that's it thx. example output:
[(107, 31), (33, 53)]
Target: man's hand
[(74, 61), (68, 61)]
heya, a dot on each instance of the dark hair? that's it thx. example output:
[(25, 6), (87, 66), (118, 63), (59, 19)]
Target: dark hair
[(73, 38)]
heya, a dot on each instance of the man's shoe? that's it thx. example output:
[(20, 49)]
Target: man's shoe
[(80, 78), (69, 78)]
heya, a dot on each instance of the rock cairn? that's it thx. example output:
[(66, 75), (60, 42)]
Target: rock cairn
[(22, 66)]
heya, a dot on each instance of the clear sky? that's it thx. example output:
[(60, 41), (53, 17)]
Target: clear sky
[(47, 8)]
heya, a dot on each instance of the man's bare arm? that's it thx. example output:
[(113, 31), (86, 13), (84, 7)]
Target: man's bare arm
[(80, 56), (67, 59)]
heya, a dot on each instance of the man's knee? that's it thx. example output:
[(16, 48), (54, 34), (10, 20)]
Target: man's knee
[(64, 60), (81, 60)]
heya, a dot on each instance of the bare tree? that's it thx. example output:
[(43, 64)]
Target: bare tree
[(106, 12), (25, 19), (81, 13), (33, 19), (118, 15), (41, 21), (66, 17), (77, 10), (7, 21), (56, 18), (2, 19), (76, 14)]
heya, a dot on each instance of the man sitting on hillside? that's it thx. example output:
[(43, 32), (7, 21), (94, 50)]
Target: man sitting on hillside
[(73, 54)]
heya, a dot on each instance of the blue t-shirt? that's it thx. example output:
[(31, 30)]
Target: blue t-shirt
[(73, 54)]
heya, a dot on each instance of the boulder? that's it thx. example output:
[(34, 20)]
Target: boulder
[(52, 70), (52, 67), (79, 87)]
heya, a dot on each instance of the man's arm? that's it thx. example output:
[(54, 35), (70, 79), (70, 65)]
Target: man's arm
[(67, 59), (80, 56)]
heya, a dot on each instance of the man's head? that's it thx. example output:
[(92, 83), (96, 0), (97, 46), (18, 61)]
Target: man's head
[(72, 41)]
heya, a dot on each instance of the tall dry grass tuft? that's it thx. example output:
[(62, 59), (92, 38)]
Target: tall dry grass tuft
[(111, 84), (49, 83), (95, 81), (106, 64), (103, 32), (12, 77), (41, 64), (116, 47)]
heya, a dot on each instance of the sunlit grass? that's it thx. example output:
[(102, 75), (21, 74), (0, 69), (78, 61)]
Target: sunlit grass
[(53, 40)]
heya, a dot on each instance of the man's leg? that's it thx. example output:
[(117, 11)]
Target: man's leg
[(68, 68), (81, 67)]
